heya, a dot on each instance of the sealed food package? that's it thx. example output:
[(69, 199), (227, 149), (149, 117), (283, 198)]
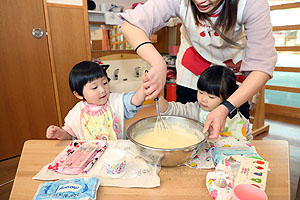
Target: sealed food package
[(79, 157), (78, 160), (78, 188)]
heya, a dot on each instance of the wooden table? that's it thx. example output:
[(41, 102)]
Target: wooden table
[(176, 182)]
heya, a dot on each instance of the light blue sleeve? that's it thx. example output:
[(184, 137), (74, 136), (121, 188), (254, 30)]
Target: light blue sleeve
[(129, 109)]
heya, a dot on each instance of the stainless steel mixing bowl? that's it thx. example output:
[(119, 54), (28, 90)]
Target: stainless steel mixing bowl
[(167, 157)]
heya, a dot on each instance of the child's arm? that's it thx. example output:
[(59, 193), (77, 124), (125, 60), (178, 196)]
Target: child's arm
[(58, 133), (163, 104), (139, 97)]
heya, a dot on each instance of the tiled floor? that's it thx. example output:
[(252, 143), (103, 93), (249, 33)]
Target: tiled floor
[(291, 133), (284, 129)]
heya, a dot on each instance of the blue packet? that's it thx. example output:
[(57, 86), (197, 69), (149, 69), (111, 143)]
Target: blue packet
[(219, 153), (77, 188)]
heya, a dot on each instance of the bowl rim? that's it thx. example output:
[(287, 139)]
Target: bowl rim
[(164, 149)]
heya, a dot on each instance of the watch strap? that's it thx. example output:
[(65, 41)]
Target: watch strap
[(231, 108)]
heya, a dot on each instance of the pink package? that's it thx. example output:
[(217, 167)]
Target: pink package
[(78, 157), (75, 163)]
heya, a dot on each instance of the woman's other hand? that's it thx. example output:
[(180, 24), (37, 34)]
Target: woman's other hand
[(215, 122)]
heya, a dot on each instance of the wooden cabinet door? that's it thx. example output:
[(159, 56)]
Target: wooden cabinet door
[(162, 40), (27, 102), (69, 37)]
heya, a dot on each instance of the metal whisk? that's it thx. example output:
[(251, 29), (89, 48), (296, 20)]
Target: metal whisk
[(160, 125)]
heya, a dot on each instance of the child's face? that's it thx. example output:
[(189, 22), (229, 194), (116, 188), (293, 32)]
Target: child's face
[(207, 101), (97, 91)]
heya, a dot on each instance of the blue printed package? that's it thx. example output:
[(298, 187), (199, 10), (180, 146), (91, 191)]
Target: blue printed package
[(78, 188), (220, 153), (229, 146)]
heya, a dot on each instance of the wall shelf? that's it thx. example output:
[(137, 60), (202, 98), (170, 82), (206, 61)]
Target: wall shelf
[(101, 17)]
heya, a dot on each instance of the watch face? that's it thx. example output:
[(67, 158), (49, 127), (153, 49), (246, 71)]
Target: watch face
[(231, 108), (232, 113)]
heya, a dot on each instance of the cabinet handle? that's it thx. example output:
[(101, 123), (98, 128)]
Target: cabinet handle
[(37, 33)]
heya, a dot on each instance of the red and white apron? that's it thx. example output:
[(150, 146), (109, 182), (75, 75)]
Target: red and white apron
[(202, 47)]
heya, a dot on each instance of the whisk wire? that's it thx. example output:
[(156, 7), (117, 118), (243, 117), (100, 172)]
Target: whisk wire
[(160, 125)]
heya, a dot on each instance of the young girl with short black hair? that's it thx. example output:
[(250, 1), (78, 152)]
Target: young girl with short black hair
[(100, 114), (215, 85)]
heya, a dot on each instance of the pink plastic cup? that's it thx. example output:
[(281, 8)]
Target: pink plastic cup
[(248, 192)]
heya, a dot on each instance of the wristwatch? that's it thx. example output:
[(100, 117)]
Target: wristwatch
[(232, 109)]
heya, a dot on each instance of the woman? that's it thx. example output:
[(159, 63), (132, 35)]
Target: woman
[(248, 46)]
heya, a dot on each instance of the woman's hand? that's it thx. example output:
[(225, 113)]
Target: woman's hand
[(215, 122), (154, 81)]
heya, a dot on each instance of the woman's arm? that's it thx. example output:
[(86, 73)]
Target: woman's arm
[(137, 25), (260, 53), (155, 79), (151, 16), (259, 58), (251, 85)]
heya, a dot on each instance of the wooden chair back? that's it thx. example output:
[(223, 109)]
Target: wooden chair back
[(257, 115)]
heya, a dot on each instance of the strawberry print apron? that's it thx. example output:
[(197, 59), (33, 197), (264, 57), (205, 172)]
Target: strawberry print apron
[(202, 47)]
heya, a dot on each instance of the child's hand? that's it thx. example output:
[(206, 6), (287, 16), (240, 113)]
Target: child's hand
[(53, 132)]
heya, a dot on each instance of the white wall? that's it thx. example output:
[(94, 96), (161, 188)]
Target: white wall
[(126, 68), (126, 3), (69, 2)]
